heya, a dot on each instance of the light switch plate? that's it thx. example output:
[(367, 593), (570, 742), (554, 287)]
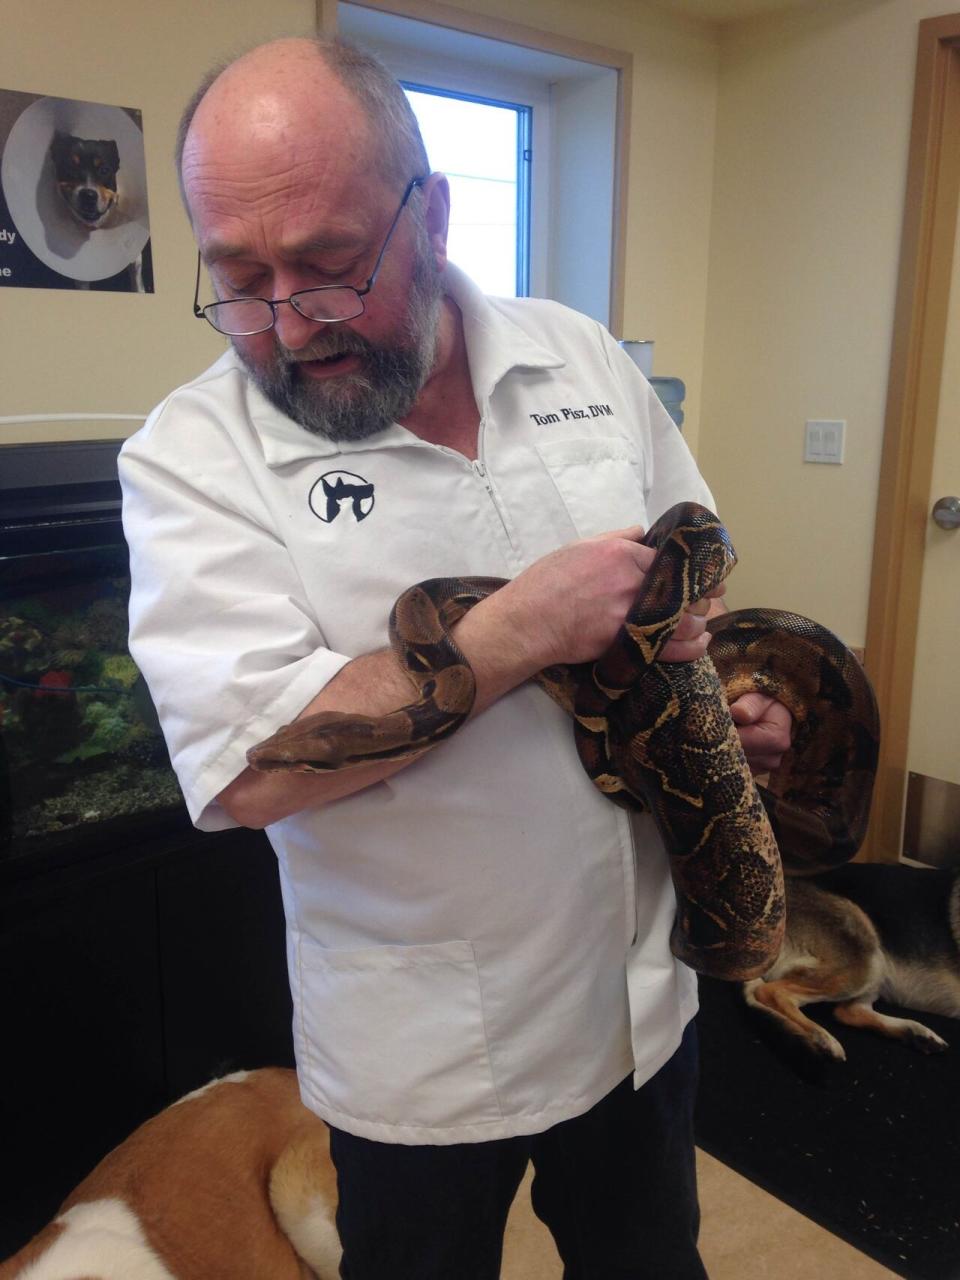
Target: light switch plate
[(823, 440)]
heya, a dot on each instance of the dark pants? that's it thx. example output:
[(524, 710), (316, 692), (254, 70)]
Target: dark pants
[(616, 1187)]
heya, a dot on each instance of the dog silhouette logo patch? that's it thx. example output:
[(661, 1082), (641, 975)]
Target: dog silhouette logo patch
[(338, 492)]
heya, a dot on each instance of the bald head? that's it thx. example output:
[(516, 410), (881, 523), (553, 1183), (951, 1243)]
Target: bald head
[(326, 88), (300, 174)]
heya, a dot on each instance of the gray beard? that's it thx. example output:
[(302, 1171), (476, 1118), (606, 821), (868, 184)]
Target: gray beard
[(359, 405)]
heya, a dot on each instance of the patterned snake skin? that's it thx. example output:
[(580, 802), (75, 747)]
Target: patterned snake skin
[(658, 736)]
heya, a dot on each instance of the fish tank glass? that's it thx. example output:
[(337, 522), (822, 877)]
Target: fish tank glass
[(83, 764)]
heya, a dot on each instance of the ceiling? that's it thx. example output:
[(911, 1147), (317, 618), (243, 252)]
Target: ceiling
[(731, 10), (375, 29)]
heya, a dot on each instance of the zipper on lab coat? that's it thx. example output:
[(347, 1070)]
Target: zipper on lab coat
[(480, 471)]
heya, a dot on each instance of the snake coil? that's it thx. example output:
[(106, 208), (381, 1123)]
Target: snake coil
[(658, 736)]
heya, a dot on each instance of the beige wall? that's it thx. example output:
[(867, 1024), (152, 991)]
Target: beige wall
[(813, 126), (70, 351), (767, 168), (67, 351)]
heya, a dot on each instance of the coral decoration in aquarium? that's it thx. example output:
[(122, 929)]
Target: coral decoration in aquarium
[(81, 752)]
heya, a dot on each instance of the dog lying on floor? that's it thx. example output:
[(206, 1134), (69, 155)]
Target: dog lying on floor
[(232, 1181), (860, 933)]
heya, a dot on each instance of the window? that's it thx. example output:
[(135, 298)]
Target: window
[(568, 161), (483, 147)]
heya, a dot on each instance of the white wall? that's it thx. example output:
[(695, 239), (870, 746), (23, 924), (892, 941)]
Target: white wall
[(581, 196)]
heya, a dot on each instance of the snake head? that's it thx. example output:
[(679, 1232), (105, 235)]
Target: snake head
[(694, 555), (718, 556)]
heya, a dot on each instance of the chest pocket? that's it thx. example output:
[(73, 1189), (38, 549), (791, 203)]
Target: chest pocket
[(600, 482)]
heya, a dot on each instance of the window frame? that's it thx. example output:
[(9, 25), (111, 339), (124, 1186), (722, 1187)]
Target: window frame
[(524, 166), (489, 31)]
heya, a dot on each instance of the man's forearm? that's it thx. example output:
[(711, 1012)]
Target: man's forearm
[(372, 685)]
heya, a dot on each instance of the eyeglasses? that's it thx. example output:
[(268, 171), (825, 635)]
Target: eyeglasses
[(327, 304)]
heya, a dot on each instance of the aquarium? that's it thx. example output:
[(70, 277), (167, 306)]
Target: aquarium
[(83, 765)]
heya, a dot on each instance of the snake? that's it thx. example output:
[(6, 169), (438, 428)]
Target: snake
[(658, 737)]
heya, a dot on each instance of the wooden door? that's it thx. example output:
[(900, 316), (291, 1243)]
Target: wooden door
[(932, 816), (915, 586)]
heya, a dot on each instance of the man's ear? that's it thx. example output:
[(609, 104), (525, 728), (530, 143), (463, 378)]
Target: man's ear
[(436, 197)]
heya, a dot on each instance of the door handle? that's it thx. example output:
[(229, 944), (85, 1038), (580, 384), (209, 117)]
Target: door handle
[(946, 513)]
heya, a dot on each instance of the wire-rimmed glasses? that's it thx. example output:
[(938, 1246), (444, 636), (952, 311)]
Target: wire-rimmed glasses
[(326, 304)]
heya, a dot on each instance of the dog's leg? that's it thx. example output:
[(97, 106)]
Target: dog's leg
[(860, 1013), (781, 999), (303, 1195)]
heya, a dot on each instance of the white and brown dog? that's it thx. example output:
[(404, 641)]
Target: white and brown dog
[(860, 933), (233, 1181)]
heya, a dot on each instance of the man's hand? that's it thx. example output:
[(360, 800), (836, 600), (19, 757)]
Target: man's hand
[(764, 727), (568, 606)]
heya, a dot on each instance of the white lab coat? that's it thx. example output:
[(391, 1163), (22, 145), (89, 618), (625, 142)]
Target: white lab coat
[(478, 947)]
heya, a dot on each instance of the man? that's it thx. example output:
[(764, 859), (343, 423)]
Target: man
[(478, 941)]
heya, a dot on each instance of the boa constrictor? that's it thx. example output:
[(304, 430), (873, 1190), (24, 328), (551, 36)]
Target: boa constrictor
[(659, 736)]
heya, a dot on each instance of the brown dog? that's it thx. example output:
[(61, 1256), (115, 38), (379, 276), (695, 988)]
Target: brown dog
[(231, 1182), (859, 933)]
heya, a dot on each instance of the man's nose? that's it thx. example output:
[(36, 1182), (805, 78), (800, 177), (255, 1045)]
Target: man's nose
[(294, 331)]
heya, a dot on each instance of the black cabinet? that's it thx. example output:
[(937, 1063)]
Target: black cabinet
[(126, 981), (223, 969)]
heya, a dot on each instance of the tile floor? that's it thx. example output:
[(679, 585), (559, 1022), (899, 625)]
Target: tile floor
[(746, 1234)]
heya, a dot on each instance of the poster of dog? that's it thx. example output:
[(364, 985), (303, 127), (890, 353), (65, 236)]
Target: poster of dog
[(73, 195)]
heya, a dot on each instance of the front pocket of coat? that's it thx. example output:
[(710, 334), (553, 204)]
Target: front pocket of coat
[(600, 482), (395, 1035)]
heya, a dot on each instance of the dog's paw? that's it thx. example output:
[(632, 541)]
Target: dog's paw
[(924, 1040), (826, 1046)]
